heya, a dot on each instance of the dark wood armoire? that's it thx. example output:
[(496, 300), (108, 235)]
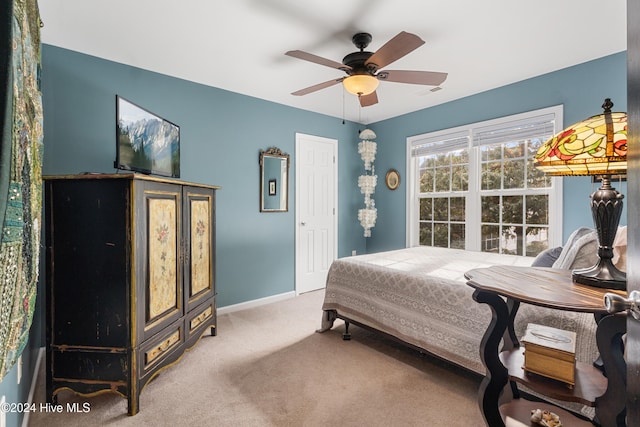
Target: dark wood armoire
[(130, 278)]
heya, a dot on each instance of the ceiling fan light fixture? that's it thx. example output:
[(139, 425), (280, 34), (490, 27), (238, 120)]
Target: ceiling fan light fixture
[(364, 69), (360, 84)]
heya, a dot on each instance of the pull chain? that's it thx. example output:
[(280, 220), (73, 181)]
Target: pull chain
[(343, 101)]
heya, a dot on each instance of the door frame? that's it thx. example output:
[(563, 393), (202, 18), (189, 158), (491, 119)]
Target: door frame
[(299, 137), (632, 347)]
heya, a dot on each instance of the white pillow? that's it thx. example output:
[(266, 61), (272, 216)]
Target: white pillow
[(620, 249), (580, 250)]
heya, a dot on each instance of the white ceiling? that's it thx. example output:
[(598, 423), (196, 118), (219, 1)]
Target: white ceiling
[(239, 45)]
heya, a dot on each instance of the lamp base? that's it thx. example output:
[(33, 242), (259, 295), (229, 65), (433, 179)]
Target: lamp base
[(606, 208), (602, 275)]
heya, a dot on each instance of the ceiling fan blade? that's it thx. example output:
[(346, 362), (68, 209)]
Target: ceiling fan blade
[(317, 59), (429, 78), (317, 87), (368, 100), (394, 49)]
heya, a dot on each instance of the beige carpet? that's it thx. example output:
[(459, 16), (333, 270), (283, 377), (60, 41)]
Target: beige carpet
[(267, 367)]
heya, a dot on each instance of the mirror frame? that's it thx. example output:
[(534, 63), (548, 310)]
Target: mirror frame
[(274, 152)]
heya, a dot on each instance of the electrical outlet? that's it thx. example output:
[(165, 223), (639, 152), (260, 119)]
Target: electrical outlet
[(19, 368), (353, 252), (3, 415)]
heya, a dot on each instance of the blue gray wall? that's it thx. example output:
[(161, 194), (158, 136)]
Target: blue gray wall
[(581, 89)]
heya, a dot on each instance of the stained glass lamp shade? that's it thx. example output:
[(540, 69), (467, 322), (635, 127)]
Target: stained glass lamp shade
[(595, 146)]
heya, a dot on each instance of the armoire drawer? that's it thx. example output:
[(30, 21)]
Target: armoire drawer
[(157, 349), (198, 320)]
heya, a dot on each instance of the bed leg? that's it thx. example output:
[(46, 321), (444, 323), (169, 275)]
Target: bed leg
[(346, 336)]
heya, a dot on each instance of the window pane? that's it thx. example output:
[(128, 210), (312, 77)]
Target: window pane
[(442, 160), (511, 240), (537, 209), (512, 209), (490, 238), (460, 157), (490, 209), (425, 209), (426, 180), (491, 152), (443, 179), (457, 209), (536, 178), (491, 176), (460, 178), (441, 235), (427, 162), (457, 236), (513, 150), (425, 233), (537, 240), (441, 209), (514, 174)]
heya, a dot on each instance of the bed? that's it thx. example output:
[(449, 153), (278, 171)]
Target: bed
[(419, 295)]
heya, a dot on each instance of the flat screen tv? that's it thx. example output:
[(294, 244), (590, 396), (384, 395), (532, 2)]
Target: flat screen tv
[(145, 142)]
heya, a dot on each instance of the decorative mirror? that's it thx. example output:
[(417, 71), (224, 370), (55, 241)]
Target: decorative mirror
[(274, 180)]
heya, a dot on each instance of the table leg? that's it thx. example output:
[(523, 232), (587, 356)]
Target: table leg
[(510, 340), (497, 376), (610, 407)]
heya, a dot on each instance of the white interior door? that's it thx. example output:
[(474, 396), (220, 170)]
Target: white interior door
[(316, 209)]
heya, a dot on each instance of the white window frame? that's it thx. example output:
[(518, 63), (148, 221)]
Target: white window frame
[(473, 228)]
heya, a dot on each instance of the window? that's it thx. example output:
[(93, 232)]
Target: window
[(475, 187)]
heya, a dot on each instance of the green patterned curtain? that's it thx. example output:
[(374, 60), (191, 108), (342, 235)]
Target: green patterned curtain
[(20, 174)]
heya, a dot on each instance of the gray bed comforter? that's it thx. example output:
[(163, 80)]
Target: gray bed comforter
[(420, 296)]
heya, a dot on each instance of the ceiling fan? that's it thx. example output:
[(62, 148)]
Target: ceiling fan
[(364, 68)]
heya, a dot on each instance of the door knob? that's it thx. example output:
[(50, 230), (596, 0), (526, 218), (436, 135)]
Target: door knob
[(615, 303), (303, 223)]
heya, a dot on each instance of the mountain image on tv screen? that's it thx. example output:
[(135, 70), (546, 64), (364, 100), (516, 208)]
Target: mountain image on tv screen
[(146, 143)]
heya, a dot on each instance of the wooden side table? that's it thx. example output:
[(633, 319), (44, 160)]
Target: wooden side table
[(503, 288)]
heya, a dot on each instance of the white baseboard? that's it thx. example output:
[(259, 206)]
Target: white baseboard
[(256, 302), (34, 380)]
